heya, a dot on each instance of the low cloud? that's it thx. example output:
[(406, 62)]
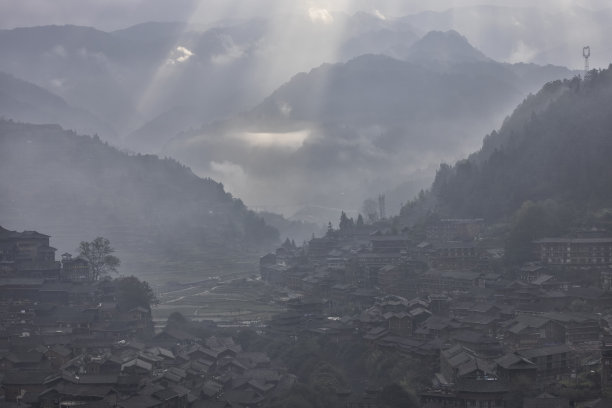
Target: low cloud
[(285, 109), (179, 54), (290, 140), (522, 53)]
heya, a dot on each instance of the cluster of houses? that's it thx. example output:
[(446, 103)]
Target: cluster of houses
[(490, 331), (173, 369), (450, 302), (65, 342)]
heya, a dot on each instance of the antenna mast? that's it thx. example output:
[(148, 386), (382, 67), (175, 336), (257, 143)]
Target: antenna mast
[(586, 53)]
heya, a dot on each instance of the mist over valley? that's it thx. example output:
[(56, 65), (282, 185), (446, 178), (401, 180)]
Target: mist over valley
[(240, 203)]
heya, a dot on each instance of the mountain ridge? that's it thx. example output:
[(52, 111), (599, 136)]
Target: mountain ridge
[(554, 148), (24, 101), (76, 187), (363, 117)]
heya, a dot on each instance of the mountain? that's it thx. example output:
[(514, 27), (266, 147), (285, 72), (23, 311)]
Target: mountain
[(128, 77), (133, 76), (362, 126), (153, 135), (555, 148), (75, 188), (297, 230), (367, 33), (448, 47), (24, 101), (553, 35), (79, 64)]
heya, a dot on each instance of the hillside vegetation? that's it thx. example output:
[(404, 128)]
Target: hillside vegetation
[(59, 182), (556, 146)]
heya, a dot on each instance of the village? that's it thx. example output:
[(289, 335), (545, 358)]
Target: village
[(67, 341), (534, 335), (538, 331)]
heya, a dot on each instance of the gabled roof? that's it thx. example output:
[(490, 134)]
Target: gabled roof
[(32, 377), (27, 357), (439, 323), (82, 390), (459, 359), (165, 394), (140, 401), (397, 315), (543, 278), (481, 386), (160, 351), (454, 350), (211, 388), (477, 319), (512, 361), (474, 365), (545, 351), (260, 386), (8, 234), (570, 317), (137, 363), (529, 321), (61, 350), (375, 333), (246, 397), (93, 379)]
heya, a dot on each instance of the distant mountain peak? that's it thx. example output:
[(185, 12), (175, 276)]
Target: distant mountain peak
[(445, 47)]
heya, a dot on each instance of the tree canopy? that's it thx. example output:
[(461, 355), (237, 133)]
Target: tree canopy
[(555, 146), (99, 254), (132, 293)]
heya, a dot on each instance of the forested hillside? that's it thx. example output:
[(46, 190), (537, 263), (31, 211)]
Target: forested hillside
[(556, 146), (58, 182)]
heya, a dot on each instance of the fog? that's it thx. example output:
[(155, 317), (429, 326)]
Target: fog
[(285, 102), (116, 14), (312, 203)]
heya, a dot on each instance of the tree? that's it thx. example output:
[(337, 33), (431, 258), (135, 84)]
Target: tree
[(330, 229), (287, 244), (98, 253), (533, 221), (346, 223), (132, 292)]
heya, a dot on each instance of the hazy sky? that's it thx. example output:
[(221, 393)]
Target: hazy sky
[(115, 14)]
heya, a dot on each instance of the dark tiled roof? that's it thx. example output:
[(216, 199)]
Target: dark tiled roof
[(32, 377), (140, 401), (512, 361), (8, 234), (481, 386), (545, 351)]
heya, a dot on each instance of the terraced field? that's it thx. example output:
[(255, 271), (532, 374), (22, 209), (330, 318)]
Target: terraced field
[(236, 302)]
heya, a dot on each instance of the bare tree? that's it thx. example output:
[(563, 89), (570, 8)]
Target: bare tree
[(98, 253)]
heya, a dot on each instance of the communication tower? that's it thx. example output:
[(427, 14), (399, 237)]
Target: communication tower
[(586, 53)]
